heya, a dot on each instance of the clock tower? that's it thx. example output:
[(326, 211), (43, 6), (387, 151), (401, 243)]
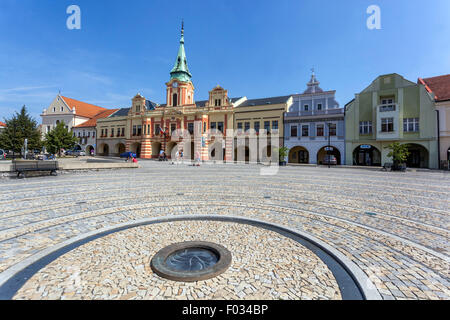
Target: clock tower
[(180, 89)]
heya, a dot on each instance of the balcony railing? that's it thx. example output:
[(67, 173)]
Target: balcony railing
[(387, 107)]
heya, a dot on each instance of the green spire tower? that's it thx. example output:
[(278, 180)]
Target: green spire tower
[(181, 71)]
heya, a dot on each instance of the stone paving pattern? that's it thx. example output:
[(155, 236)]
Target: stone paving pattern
[(265, 265), (394, 226)]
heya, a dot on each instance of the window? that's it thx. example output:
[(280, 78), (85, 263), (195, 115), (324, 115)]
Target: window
[(134, 130), (84, 133), (319, 106), (213, 125), (365, 127), (247, 126), (387, 104), (191, 128), (411, 125), (123, 132), (106, 132), (275, 125), (257, 126), (157, 128), (48, 128), (305, 131), (319, 130), (306, 107), (332, 129), (220, 126), (112, 133), (93, 134), (138, 108), (267, 126), (173, 127), (79, 134), (54, 109), (387, 124), (62, 109), (89, 134), (103, 133), (239, 126), (218, 102), (139, 130), (118, 132), (175, 100), (293, 131)]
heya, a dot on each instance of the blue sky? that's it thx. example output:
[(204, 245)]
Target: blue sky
[(252, 48)]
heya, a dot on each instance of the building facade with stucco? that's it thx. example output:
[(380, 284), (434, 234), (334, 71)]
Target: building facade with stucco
[(391, 109), (440, 88), (314, 126)]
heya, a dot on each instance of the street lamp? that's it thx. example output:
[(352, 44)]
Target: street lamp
[(329, 144)]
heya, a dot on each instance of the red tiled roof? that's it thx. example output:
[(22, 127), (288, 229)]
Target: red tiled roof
[(93, 122), (2, 124), (440, 86), (83, 109)]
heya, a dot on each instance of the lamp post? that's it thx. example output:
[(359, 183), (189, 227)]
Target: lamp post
[(329, 143)]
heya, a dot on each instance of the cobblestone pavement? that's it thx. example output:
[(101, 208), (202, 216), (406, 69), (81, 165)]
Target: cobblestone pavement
[(394, 226), (265, 265)]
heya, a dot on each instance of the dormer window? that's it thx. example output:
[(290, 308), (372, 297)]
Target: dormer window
[(138, 108), (218, 102)]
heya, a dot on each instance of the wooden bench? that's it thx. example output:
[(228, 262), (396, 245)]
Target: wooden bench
[(35, 165)]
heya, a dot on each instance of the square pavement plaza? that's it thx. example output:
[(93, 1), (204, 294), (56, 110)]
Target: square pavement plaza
[(392, 226)]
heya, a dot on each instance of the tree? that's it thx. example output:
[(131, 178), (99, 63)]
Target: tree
[(399, 152), (59, 138), (20, 127), (283, 152)]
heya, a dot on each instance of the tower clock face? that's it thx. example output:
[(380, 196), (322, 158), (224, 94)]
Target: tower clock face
[(175, 85)]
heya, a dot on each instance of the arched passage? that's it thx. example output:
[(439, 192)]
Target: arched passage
[(120, 148), (156, 148), (298, 155), (103, 150), (323, 152), (136, 148), (366, 155), (418, 156), (242, 153), (90, 150), (216, 151), (172, 148)]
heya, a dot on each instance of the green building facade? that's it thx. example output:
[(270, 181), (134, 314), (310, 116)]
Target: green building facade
[(391, 109)]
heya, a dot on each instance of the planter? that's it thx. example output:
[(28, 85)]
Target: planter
[(283, 163), (399, 167)]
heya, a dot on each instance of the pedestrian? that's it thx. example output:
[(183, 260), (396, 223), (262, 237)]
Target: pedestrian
[(161, 155), (197, 159)]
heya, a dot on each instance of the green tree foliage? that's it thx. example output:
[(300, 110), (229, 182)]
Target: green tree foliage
[(20, 127), (59, 138), (399, 152), (283, 152)]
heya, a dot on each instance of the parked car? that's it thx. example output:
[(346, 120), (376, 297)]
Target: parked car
[(330, 160), (79, 153), (75, 153), (128, 155), (3, 154)]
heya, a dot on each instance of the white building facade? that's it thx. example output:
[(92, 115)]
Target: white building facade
[(314, 126)]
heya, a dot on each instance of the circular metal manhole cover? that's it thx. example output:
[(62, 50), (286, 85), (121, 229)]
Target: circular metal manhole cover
[(191, 261)]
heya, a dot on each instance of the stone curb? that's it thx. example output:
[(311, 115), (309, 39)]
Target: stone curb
[(366, 286)]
